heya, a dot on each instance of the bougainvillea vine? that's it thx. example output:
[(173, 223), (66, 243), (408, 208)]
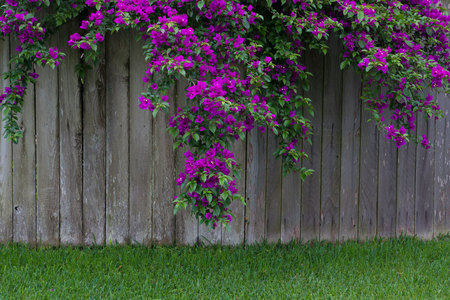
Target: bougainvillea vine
[(243, 64)]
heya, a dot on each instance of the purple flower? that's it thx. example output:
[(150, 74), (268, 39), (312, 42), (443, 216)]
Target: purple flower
[(208, 216)]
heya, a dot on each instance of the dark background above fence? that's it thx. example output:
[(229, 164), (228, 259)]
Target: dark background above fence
[(92, 167)]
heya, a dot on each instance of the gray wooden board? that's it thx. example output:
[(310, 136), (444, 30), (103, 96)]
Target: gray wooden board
[(235, 235), (273, 194), (331, 144), (186, 225), (424, 208), (406, 178), (94, 153), (6, 203), (442, 169), (24, 176), (163, 224), (117, 137), (367, 227), (387, 187), (141, 160), (71, 143), (310, 214), (256, 190), (47, 153), (291, 208), (209, 236), (351, 133)]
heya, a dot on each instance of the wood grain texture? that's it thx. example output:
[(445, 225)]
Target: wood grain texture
[(47, 154), (163, 224), (406, 179), (273, 194), (256, 186), (94, 154), (310, 215), (351, 142), (331, 144), (291, 208), (424, 210), (141, 151), (387, 187), (368, 177), (117, 137), (6, 203), (186, 225), (24, 175), (442, 170), (235, 235), (71, 144)]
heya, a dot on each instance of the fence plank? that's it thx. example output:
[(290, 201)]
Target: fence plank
[(291, 208), (273, 193), (406, 178), (442, 167), (310, 215), (368, 177), (424, 209), (117, 137), (387, 187), (71, 144), (141, 160), (256, 186), (6, 210), (236, 234), (331, 144), (47, 154), (94, 151), (186, 225), (163, 224), (24, 176), (351, 130)]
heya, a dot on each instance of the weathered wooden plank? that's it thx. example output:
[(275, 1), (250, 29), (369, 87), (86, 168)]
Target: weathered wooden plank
[(186, 225), (141, 151), (424, 209), (117, 137), (368, 177), (71, 144), (406, 178), (235, 235), (351, 130), (442, 167), (291, 208), (210, 236), (6, 210), (24, 175), (256, 186), (47, 154), (310, 206), (273, 195), (94, 153), (331, 144), (163, 224), (387, 187)]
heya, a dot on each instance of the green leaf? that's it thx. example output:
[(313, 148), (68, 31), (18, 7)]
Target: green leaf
[(212, 127), (200, 4), (360, 15)]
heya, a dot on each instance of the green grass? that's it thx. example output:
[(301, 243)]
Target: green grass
[(400, 268)]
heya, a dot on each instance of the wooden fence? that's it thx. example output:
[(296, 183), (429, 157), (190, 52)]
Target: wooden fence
[(93, 168)]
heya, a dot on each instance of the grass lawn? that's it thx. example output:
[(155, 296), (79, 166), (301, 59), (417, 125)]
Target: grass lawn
[(400, 268)]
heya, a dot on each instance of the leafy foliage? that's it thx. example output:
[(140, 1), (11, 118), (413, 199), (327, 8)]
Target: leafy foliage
[(242, 60)]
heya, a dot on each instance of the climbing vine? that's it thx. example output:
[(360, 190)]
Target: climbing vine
[(243, 64)]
